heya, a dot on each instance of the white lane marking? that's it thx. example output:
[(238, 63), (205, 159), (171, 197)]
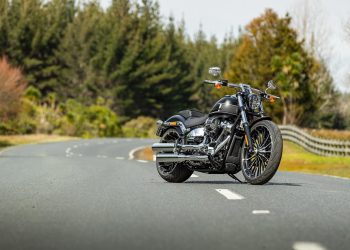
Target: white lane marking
[(229, 194), (115, 141), (260, 212), (142, 161), (194, 176), (86, 144), (80, 155), (75, 146), (337, 177), (120, 158), (304, 245), (102, 156), (68, 150), (132, 152)]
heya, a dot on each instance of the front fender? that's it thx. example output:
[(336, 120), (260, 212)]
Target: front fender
[(258, 119)]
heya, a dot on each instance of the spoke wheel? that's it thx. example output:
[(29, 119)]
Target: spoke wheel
[(255, 163), (259, 166), (172, 171), (170, 137)]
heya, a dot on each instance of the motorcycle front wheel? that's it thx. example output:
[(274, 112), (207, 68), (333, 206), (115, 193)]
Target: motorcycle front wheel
[(259, 166)]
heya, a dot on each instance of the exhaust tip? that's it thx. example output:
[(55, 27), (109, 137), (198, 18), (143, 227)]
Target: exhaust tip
[(164, 147)]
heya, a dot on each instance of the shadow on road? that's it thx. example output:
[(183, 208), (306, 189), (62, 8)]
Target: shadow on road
[(284, 184), (236, 182), (213, 182)]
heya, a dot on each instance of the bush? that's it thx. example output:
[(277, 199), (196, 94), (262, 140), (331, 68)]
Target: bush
[(70, 118), (142, 126), (12, 86), (92, 121)]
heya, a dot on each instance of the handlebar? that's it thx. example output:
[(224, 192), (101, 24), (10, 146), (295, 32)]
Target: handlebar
[(224, 83), (239, 86)]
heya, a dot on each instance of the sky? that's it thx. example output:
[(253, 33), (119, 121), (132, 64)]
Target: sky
[(219, 17)]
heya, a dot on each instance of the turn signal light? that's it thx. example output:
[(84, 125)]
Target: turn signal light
[(218, 85), (172, 123), (272, 99)]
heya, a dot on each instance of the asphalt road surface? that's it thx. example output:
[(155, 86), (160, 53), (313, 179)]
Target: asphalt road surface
[(89, 194)]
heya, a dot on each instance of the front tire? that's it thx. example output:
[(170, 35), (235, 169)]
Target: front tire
[(172, 172), (260, 166)]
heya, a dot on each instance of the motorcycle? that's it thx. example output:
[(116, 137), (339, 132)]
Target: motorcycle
[(235, 136)]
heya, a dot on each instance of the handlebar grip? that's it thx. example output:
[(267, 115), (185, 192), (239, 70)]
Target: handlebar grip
[(222, 82), (208, 82)]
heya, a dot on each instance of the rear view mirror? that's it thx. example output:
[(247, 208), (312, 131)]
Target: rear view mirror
[(271, 85), (215, 71)]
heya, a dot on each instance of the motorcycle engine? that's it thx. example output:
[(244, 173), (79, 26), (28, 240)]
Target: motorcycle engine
[(212, 129), (211, 126), (213, 132)]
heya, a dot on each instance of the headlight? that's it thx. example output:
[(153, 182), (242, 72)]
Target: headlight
[(254, 101)]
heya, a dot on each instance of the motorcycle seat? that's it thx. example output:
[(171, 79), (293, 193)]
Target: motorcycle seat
[(193, 117), (195, 121)]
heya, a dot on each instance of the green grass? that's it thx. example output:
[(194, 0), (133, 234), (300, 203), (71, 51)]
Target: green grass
[(297, 159)]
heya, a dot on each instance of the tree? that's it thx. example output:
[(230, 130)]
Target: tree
[(34, 31), (12, 86), (204, 54), (77, 50), (309, 21), (270, 49)]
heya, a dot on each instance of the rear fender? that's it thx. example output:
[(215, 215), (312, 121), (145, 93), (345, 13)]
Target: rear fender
[(174, 118)]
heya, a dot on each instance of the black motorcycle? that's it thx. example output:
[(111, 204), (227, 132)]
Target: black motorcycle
[(236, 135)]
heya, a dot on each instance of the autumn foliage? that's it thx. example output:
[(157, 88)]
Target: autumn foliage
[(12, 86)]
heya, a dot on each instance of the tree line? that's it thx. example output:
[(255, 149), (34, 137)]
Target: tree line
[(127, 59)]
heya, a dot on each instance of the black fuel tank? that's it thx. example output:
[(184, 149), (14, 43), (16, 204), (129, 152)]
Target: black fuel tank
[(227, 105)]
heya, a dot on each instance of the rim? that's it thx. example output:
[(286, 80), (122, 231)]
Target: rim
[(255, 163), (167, 167)]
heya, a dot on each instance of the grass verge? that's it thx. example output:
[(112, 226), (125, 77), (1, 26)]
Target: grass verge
[(13, 140), (297, 159)]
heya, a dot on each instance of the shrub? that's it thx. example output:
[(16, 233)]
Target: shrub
[(12, 86), (142, 126), (92, 121)]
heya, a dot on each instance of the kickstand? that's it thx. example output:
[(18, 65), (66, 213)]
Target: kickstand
[(235, 178)]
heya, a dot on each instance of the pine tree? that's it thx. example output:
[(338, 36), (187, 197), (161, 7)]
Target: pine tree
[(76, 53), (33, 37), (4, 26)]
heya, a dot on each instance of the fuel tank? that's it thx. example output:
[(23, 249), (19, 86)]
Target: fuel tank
[(228, 105)]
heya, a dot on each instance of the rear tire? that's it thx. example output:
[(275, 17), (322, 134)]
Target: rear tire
[(260, 166), (172, 172)]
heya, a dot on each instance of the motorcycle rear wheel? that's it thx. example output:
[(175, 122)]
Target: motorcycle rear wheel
[(259, 166), (172, 172)]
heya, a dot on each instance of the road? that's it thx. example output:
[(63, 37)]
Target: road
[(88, 194)]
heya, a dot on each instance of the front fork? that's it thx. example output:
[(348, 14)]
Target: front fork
[(245, 123)]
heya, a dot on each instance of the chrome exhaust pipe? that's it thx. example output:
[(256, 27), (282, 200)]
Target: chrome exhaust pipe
[(169, 147), (180, 157), (165, 147)]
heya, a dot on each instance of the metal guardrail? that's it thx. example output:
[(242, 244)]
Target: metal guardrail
[(313, 144)]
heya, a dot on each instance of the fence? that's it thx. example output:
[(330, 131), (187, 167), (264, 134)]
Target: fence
[(313, 144)]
